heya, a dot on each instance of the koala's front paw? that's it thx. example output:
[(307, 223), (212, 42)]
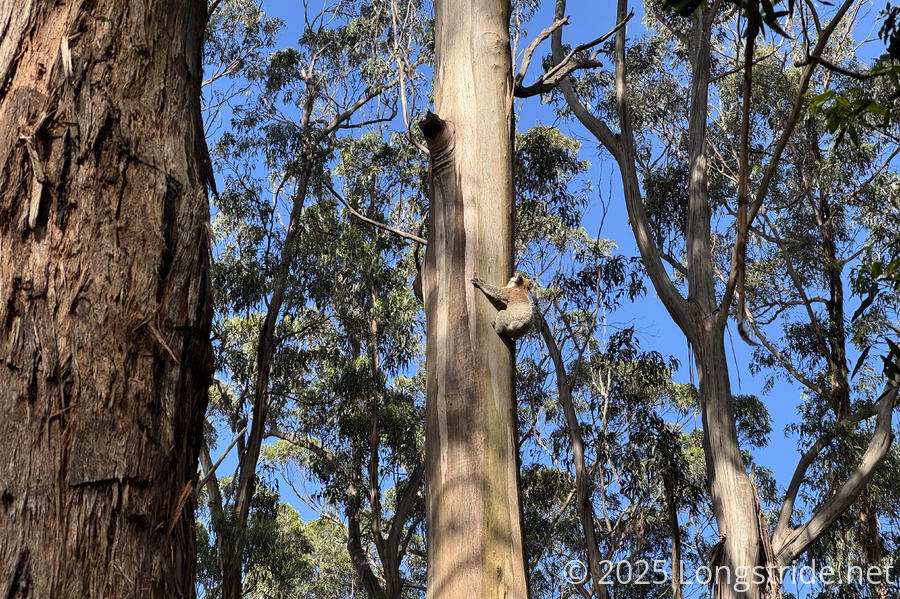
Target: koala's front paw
[(477, 282)]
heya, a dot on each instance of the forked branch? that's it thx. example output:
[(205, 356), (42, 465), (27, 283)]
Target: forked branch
[(562, 68), (789, 545), (621, 146)]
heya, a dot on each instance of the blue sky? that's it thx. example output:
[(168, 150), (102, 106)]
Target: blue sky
[(652, 323)]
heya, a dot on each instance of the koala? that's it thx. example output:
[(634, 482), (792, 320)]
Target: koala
[(515, 319)]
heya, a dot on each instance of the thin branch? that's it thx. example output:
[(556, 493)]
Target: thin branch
[(368, 95), (738, 69), (375, 223), (212, 469), (404, 505), (374, 121), (780, 145), (671, 261), (597, 127), (796, 280), (805, 78), (212, 8), (584, 505), (856, 191), (212, 486), (529, 51), (622, 149), (838, 69), (307, 444), (782, 359)]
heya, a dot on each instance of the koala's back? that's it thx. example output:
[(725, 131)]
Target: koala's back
[(515, 321)]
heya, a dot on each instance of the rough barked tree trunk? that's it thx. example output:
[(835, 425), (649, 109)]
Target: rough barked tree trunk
[(472, 503), (105, 356)]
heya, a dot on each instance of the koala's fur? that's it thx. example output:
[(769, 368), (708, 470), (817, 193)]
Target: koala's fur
[(517, 315)]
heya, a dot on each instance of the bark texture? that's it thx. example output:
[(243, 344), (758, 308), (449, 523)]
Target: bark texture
[(104, 301), (472, 503)]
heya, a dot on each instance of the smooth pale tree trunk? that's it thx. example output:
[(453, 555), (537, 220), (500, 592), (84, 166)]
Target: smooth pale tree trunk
[(105, 356), (732, 494), (472, 501)]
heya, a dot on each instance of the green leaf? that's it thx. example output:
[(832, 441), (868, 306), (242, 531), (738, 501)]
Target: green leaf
[(860, 361), (867, 301)]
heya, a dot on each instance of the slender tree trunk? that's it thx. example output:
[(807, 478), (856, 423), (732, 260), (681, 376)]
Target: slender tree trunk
[(472, 502), (836, 353), (234, 529), (672, 512), (731, 492), (105, 356), (863, 515), (229, 563), (232, 567), (584, 504)]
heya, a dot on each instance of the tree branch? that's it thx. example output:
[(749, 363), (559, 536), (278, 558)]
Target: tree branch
[(738, 69), (563, 68), (781, 144), (791, 122), (208, 472), (699, 260), (622, 149), (370, 93), (529, 51), (583, 502), (672, 511), (796, 280), (375, 223), (354, 538), (212, 8), (597, 127), (404, 505), (790, 546), (782, 359), (307, 444), (838, 69), (212, 485), (738, 273)]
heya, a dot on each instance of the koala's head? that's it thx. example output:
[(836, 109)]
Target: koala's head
[(520, 280)]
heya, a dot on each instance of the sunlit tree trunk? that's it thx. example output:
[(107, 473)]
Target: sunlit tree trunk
[(105, 356), (472, 503)]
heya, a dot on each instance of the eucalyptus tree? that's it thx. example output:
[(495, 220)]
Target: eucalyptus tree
[(353, 425), (473, 511), (472, 501), (829, 214), (275, 160), (612, 466), (665, 165), (105, 305)]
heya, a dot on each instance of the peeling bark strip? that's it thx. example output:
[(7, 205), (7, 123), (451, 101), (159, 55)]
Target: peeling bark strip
[(471, 473), (104, 296)]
